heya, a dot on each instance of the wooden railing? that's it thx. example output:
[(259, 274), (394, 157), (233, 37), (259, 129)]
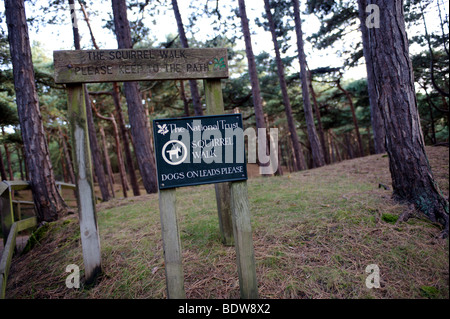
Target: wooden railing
[(10, 227)]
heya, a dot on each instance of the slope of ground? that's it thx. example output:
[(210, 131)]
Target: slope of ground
[(314, 233)]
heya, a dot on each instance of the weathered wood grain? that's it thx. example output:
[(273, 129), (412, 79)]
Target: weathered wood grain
[(244, 242), (214, 106), (7, 214), (85, 66), (83, 171), (6, 258), (171, 244)]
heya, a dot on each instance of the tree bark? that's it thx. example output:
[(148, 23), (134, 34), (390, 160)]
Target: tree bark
[(120, 163), (67, 158), (287, 104), (107, 160), (192, 83), (99, 169), (375, 110), (254, 81), (319, 119), (126, 141), (136, 113), (123, 175), (316, 148), (8, 157), (256, 91), (2, 167), (48, 202), (412, 178), (184, 99)]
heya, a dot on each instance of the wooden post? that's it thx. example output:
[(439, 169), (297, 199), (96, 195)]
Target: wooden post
[(214, 105), (171, 244), (7, 216), (5, 260), (224, 213), (83, 174), (242, 230)]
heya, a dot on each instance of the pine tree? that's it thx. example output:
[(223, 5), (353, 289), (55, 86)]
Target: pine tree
[(48, 202)]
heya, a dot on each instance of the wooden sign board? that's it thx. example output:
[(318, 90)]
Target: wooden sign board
[(88, 66), (211, 64), (199, 150)]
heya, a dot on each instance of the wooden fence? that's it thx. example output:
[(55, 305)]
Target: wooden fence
[(10, 227)]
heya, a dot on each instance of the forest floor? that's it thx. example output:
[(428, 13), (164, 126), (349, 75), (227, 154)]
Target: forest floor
[(314, 234)]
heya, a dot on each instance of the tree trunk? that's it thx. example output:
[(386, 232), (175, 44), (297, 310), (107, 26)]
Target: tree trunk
[(123, 175), (375, 110), (122, 172), (136, 114), (184, 99), (316, 148), (2, 167), (48, 202), (319, 119), (256, 91), (67, 158), (412, 178), (287, 104), (8, 157), (116, 97), (126, 141), (107, 160), (99, 169), (192, 83), (252, 71), (355, 120)]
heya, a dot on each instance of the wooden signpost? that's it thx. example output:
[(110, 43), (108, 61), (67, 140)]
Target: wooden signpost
[(74, 68)]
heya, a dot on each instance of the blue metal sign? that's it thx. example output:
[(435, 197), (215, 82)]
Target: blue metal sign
[(199, 150)]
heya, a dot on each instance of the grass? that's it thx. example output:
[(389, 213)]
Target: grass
[(314, 234)]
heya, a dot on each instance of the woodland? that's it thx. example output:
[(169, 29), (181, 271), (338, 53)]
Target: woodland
[(341, 110), (323, 116)]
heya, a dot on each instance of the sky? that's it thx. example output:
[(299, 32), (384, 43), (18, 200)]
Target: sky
[(60, 37)]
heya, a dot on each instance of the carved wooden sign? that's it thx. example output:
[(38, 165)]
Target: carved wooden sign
[(86, 66)]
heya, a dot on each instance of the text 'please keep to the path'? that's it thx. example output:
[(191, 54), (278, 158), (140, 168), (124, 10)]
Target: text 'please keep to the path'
[(139, 65)]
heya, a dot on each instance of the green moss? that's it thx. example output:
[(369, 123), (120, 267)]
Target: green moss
[(36, 236), (389, 218), (429, 292)]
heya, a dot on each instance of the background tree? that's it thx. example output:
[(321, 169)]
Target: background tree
[(377, 123), (316, 147), (184, 42), (340, 20), (298, 153), (252, 71), (136, 113), (115, 92), (99, 169), (48, 202), (412, 178)]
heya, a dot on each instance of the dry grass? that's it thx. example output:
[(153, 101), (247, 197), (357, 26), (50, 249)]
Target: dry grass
[(314, 234)]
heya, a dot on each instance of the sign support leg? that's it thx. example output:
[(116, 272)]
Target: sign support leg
[(81, 154), (214, 106), (171, 244), (7, 216), (243, 240)]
